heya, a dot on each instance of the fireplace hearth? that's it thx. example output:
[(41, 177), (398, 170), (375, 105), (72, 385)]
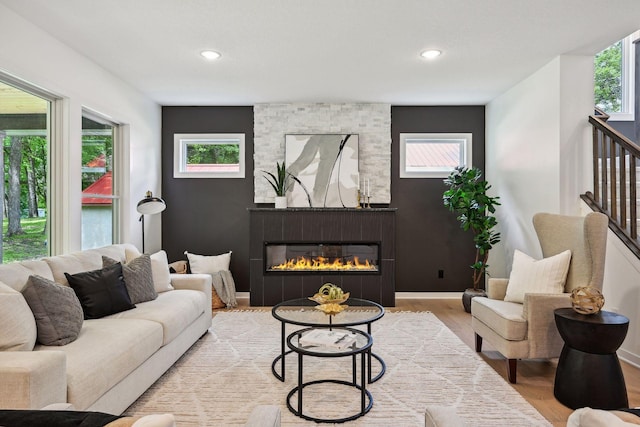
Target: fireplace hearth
[(294, 251)]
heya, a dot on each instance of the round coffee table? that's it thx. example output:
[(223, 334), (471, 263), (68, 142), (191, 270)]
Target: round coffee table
[(302, 312), (361, 346), (589, 372)]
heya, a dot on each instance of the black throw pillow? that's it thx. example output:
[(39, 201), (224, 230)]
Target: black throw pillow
[(47, 418), (101, 292)]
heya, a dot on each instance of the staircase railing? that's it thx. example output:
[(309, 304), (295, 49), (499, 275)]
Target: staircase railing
[(615, 166)]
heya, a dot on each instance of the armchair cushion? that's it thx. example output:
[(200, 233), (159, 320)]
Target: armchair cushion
[(543, 276), (504, 318)]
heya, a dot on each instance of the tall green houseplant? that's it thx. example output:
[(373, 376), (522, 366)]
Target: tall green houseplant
[(467, 198)]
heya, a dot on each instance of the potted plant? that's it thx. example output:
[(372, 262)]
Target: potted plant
[(280, 184), (467, 198)]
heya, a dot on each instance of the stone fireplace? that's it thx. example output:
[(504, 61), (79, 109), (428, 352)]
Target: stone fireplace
[(295, 251)]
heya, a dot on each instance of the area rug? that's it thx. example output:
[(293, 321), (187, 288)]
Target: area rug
[(228, 372)]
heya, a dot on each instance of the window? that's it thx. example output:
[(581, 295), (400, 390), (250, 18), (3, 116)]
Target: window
[(25, 131), (614, 79), (99, 182), (433, 155), (208, 155)]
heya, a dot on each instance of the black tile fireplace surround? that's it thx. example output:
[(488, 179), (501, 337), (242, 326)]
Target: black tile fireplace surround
[(322, 226)]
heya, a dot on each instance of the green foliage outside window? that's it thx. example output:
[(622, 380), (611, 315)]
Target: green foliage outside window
[(608, 79), (216, 154)]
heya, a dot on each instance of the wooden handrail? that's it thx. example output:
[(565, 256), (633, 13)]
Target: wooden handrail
[(615, 161)]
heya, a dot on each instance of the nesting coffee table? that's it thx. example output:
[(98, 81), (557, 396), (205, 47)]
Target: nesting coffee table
[(301, 312), (361, 346)]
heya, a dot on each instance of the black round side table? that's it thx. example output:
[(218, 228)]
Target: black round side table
[(589, 372)]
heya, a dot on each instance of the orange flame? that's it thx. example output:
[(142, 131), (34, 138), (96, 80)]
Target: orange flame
[(324, 264)]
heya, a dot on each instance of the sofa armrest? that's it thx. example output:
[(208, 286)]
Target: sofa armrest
[(543, 335), (442, 416), (497, 288), (32, 379), (196, 282)]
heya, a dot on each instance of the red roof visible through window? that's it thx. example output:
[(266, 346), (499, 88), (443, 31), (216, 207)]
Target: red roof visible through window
[(101, 186)]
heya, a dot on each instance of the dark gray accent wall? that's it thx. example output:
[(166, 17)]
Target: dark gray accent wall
[(208, 216), (429, 238)]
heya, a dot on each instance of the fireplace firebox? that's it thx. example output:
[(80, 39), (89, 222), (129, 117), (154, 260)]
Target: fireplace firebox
[(322, 258)]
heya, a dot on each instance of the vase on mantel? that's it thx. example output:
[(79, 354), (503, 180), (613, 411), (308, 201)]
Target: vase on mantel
[(281, 202)]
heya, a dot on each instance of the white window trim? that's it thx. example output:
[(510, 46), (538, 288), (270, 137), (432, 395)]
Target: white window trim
[(116, 183), (404, 137), (628, 80), (56, 131), (181, 140)]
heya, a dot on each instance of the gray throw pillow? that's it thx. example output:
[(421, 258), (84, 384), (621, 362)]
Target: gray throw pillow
[(57, 311), (138, 278)]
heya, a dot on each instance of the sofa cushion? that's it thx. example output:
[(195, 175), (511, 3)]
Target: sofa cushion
[(57, 311), (16, 274), (174, 310), (17, 325), (72, 264), (101, 292), (505, 318), (106, 351), (137, 278), (545, 276)]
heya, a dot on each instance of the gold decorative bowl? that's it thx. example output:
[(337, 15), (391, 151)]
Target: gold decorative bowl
[(331, 308), (322, 299)]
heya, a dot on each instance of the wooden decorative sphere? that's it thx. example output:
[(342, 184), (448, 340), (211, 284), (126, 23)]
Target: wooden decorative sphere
[(587, 300)]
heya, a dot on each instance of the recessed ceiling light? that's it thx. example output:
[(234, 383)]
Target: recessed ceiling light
[(431, 53), (210, 54)]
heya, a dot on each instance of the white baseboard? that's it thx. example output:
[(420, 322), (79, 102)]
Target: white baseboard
[(630, 358), (428, 295)]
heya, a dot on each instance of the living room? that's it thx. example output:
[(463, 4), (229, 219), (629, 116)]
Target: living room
[(529, 128)]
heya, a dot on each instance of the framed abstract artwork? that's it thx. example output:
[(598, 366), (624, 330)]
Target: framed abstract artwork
[(324, 168)]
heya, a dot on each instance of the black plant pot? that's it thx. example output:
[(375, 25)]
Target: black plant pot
[(468, 295)]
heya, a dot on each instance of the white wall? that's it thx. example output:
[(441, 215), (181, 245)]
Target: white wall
[(538, 158), (32, 55), (537, 134)]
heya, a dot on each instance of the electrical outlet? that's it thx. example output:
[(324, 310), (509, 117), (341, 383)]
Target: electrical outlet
[(440, 274)]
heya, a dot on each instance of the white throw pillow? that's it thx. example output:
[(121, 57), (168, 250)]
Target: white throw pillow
[(587, 417), (208, 264), (530, 276), (17, 325), (160, 272)]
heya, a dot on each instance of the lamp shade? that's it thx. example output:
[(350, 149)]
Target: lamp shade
[(151, 205)]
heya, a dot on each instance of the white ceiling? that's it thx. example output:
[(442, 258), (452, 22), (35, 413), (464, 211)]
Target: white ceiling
[(329, 50)]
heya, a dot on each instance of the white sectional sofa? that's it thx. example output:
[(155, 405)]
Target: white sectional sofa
[(114, 358)]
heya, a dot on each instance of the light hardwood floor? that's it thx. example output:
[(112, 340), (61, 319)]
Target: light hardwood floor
[(535, 377)]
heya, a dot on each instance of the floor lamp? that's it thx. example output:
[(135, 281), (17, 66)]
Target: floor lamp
[(149, 206)]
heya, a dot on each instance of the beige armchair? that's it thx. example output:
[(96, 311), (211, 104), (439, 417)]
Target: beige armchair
[(528, 331)]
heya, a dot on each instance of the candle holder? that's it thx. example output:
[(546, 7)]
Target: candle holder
[(368, 202)]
